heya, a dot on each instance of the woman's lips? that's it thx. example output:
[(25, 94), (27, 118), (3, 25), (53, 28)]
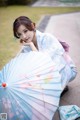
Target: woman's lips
[(26, 40)]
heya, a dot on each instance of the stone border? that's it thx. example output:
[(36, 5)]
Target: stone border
[(43, 23)]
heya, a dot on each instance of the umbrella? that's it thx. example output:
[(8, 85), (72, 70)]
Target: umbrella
[(30, 87)]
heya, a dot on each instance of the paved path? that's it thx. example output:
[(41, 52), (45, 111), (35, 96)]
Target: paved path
[(55, 3), (67, 27)]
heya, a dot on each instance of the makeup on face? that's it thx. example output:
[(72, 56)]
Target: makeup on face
[(24, 34)]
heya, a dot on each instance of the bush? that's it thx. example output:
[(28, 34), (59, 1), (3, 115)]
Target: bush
[(19, 2), (3, 2), (16, 2)]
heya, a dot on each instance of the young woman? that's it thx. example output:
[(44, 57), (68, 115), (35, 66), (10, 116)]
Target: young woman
[(33, 40)]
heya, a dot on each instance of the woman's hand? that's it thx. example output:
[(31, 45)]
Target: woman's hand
[(30, 44), (27, 43)]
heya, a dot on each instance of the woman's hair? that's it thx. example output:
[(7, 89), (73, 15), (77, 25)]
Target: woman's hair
[(22, 20)]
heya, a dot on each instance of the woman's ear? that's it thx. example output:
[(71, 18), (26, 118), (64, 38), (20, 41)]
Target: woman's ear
[(33, 26)]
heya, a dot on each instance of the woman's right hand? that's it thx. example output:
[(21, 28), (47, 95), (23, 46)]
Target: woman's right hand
[(30, 44), (24, 43)]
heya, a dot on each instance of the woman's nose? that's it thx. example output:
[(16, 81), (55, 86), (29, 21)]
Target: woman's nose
[(23, 36)]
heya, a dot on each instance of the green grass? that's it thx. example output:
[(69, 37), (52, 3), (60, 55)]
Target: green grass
[(8, 45)]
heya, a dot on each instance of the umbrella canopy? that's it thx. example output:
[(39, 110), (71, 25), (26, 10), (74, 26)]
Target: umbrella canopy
[(30, 87)]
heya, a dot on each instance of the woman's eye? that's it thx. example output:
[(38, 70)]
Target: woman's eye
[(19, 34), (25, 31)]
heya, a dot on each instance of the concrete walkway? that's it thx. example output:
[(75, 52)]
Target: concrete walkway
[(66, 27), (56, 3)]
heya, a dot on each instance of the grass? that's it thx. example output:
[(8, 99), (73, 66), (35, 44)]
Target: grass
[(9, 46)]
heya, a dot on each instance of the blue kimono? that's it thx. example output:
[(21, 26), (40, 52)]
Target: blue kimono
[(49, 44)]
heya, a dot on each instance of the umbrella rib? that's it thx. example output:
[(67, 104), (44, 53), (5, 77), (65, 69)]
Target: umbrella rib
[(24, 100), (12, 63), (31, 96), (32, 76), (17, 101), (32, 81), (50, 65), (29, 76)]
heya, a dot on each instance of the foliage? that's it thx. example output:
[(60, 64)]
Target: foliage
[(3, 2), (19, 2), (15, 2)]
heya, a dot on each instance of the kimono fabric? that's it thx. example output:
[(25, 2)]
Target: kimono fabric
[(48, 44)]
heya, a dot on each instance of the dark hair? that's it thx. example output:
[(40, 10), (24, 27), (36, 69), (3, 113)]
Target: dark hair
[(22, 20)]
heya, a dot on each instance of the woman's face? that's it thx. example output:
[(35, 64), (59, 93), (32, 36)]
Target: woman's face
[(25, 34)]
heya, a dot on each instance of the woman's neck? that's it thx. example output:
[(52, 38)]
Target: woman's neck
[(35, 40)]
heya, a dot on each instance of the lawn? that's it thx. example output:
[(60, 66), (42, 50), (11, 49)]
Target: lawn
[(9, 46)]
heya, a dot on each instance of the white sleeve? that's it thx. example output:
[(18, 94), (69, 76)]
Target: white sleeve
[(51, 45), (25, 49)]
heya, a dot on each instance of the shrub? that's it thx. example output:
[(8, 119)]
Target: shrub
[(3, 2), (19, 2), (16, 2)]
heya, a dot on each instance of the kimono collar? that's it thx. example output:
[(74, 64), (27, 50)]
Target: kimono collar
[(39, 36)]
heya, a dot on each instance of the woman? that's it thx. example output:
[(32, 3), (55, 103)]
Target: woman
[(34, 40)]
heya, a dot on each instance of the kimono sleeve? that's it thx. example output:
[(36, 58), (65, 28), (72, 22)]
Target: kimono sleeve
[(25, 49), (52, 46)]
